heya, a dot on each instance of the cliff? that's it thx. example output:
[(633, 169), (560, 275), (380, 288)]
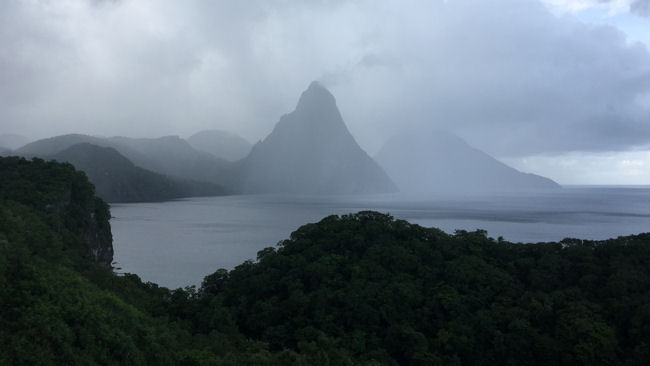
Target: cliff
[(65, 200)]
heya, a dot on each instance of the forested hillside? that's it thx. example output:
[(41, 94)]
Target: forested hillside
[(355, 289), (61, 303), (117, 179), (366, 286)]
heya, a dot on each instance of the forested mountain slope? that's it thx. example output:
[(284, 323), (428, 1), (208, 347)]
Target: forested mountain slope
[(117, 179), (168, 155)]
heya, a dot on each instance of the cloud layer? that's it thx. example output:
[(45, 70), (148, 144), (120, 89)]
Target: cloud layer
[(508, 75)]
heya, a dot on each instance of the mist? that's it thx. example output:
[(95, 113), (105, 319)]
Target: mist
[(317, 182), (516, 79)]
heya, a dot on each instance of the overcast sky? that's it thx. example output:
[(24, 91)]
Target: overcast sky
[(560, 88)]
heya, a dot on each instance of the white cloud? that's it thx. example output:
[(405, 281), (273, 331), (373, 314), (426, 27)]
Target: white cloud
[(612, 6), (620, 168), (508, 75)]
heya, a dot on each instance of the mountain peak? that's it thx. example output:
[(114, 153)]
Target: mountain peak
[(315, 85), (311, 151), (316, 99)]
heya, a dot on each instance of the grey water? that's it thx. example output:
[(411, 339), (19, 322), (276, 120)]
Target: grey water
[(177, 243)]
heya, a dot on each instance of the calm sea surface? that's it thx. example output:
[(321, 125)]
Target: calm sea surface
[(177, 243)]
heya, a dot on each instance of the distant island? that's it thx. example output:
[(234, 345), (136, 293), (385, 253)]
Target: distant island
[(362, 288)]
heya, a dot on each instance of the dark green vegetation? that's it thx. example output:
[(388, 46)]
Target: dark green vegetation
[(46, 195), (357, 289), (116, 179), (60, 303)]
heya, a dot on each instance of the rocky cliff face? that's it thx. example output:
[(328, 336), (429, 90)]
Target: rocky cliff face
[(66, 200), (87, 217), (96, 234)]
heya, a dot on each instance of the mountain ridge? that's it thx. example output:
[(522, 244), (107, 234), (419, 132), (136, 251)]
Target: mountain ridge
[(221, 144), (117, 179), (167, 155), (441, 162)]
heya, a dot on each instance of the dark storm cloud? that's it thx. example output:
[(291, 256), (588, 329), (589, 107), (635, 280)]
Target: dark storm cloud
[(641, 7), (507, 75)]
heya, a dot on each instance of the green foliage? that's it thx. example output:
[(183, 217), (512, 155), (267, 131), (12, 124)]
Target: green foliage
[(61, 198), (361, 289), (57, 306), (368, 288)]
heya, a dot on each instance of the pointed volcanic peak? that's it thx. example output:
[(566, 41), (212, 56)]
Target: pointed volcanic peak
[(311, 151), (441, 162), (221, 144)]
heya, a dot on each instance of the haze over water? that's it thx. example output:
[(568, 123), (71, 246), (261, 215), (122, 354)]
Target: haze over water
[(177, 243)]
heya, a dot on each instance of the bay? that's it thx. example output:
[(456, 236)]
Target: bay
[(177, 243)]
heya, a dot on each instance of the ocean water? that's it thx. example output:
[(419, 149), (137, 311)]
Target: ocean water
[(177, 243)]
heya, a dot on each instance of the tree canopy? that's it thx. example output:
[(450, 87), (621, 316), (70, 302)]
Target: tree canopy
[(355, 289)]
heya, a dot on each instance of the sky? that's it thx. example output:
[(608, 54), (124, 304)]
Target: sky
[(556, 87)]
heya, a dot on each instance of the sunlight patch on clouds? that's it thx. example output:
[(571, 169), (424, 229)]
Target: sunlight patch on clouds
[(625, 168), (573, 6)]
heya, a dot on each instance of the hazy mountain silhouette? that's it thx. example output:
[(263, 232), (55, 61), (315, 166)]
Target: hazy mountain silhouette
[(311, 151), (117, 179), (440, 162), (56, 144), (174, 156), (222, 144), (11, 141), (4, 152), (168, 155)]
